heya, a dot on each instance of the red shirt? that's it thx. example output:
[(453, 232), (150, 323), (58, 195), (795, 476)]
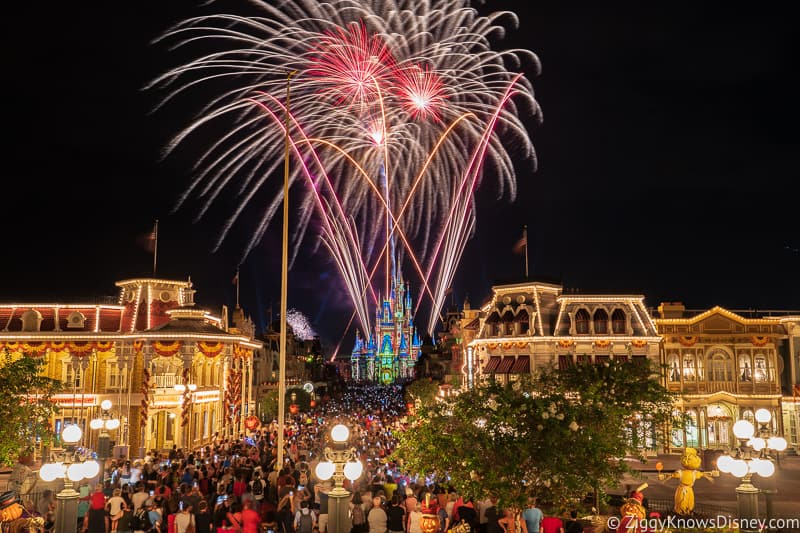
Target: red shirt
[(250, 521), (551, 524), (98, 500)]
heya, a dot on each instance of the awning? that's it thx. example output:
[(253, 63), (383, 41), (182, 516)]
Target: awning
[(491, 366), (521, 366), (505, 365)]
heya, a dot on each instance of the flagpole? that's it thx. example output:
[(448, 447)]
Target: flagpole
[(237, 287), (155, 246), (284, 276), (525, 237)]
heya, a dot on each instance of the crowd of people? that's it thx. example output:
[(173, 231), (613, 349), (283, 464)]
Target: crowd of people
[(235, 485)]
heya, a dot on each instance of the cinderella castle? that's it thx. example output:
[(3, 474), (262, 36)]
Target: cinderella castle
[(392, 349)]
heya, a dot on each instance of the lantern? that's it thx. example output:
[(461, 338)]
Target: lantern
[(429, 523), (294, 408)]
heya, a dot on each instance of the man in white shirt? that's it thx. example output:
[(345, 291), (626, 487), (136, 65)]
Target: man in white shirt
[(139, 497), (184, 518)]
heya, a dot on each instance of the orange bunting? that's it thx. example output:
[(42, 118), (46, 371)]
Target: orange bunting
[(33, 348), (566, 344), (687, 340), (104, 346), (758, 340), (638, 343), (210, 349), (80, 348), (166, 348), (58, 346), (602, 343)]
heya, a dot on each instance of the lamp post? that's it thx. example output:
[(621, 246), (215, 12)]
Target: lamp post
[(72, 466), (752, 457), (105, 423), (340, 462)]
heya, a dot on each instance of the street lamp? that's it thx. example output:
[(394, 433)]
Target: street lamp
[(105, 423), (752, 457), (72, 466), (340, 462)]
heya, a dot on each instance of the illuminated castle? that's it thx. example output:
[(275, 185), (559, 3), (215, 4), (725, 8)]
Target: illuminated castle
[(392, 349)]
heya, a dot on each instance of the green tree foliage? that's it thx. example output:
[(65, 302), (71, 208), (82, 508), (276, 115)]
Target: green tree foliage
[(421, 392), (557, 435), (268, 403), (25, 405)]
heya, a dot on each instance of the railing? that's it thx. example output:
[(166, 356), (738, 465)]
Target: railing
[(166, 381), (704, 510)]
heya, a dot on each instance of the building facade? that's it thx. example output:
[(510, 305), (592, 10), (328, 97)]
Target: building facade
[(175, 374), (726, 366), (391, 350)]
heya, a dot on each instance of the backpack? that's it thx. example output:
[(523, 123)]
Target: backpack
[(258, 487), (358, 515), (141, 522), (306, 523)]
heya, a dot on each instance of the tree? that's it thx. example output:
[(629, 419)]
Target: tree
[(557, 435), (26, 405), (421, 391)]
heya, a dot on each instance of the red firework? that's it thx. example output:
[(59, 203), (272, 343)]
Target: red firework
[(421, 92), (351, 64)]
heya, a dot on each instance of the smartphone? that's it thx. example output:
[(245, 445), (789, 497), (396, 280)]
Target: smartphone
[(300, 487), (152, 493), (180, 506), (225, 497), (195, 484), (291, 493), (220, 500)]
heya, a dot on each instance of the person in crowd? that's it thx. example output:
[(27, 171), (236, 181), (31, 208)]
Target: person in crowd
[(123, 519), (552, 524), (376, 516), (184, 519), (395, 515), (532, 516), (304, 519)]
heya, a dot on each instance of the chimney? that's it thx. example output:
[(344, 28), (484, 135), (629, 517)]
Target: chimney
[(671, 309)]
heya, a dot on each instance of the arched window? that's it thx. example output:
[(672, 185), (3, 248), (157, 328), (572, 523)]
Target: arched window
[(582, 322), (492, 329), (720, 368), (747, 414), (689, 370), (508, 324), (72, 375), (618, 326), (745, 368), (523, 319), (600, 322), (116, 375), (762, 373), (692, 439), (674, 370)]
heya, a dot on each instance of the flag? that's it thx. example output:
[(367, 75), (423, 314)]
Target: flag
[(148, 240), (520, 245)]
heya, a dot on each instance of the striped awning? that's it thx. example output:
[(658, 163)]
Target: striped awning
[(491, 366), (521, 366), (505, 365)]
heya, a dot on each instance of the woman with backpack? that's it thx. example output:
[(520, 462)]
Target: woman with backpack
[(358, 515)]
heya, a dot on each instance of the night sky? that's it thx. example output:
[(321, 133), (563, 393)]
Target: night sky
[(667, 162)]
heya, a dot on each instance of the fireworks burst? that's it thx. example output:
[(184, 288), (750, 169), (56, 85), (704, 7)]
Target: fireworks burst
[(300, 325), (397, 108)]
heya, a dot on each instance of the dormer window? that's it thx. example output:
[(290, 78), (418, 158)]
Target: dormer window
[(600, 322), (582, 322), (31, 320), (75, 320), (618, 322)]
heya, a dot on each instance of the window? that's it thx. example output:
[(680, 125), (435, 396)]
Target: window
[(582, 322), (523, 320), (762, 372), (689, 371), (564, 362), (618, 322), (720, 368), (691, 429), (116, 376), (674, 371), (72, 375), (745, 369), (600, 322), (747, 414)]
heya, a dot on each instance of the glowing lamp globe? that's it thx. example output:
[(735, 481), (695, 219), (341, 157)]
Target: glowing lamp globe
[(757, 443), (353, 470), (105, 405), (96, 423), (743, 429), (763, 416), (51, 471), (325, 470), (765, 468), (75, 471), (71, 434), (91, 469), (724, 463), (192, 386), (777, 443), (112, 424), (739, 467), (340, 433), (180, 387)]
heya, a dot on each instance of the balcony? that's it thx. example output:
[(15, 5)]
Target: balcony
[(165, 381)]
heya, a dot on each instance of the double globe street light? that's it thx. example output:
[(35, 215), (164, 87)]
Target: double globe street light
[(71, 465), (751, 457), (105, 423), (340, 462)]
